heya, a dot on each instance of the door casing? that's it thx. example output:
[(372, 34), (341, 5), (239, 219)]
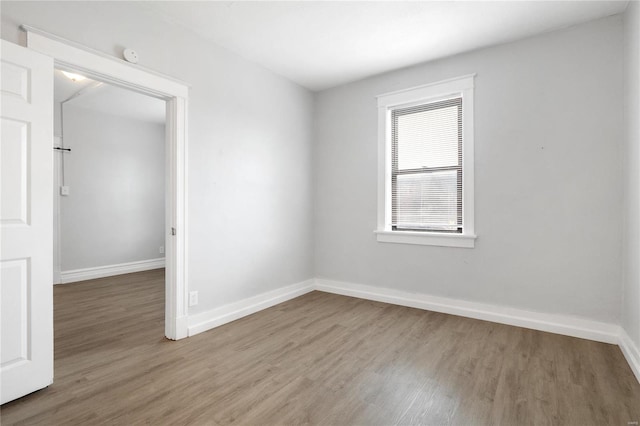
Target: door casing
[(71, 56)]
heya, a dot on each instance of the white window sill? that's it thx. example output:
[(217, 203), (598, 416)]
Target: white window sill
[(426, 238)]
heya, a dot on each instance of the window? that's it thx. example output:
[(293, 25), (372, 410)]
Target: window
[(426, 165)]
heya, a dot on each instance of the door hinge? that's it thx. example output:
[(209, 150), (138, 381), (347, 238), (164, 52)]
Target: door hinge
[(173, 231)]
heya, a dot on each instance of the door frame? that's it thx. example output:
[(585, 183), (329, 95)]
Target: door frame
[(71, 56)]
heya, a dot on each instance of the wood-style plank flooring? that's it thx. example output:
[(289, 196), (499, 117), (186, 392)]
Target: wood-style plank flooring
[(317, 359)]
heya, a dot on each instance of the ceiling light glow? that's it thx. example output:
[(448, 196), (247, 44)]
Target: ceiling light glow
[(74, 77)]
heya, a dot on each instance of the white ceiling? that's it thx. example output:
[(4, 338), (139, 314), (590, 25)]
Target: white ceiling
[(320, 44), (108, 99)]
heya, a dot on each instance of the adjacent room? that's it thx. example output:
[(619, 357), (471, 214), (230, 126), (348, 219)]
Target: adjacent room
[(308, 212), (109, 173)]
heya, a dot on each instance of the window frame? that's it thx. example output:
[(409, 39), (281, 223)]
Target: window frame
[(430, 93)]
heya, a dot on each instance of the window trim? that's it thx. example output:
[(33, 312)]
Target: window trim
[(433, 92)]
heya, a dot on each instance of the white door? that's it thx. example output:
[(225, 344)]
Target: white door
[(26, 211)]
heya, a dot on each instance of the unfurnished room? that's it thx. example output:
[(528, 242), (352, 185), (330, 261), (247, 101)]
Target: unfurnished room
[(320, 212)]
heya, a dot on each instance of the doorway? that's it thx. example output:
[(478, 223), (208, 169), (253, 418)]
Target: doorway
[(73, 57), (109, 180)]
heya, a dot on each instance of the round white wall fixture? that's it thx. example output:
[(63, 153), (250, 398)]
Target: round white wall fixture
[(130, 55)]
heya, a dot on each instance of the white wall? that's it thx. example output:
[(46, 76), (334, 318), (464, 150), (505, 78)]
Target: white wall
[(116, 174), (548, 179), (631, 291), (548, 131), (249, 146)]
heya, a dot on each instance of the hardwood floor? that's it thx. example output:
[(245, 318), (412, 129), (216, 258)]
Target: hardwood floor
[(317, 359)]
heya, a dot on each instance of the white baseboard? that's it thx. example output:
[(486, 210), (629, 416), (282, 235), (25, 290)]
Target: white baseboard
[(233, 311), (631, 352), (75, 275), (553, 323)]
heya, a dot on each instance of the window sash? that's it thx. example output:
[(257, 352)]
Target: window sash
[(396, 171)]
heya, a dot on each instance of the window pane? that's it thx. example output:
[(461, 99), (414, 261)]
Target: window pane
[(428, 139), (427, 201)]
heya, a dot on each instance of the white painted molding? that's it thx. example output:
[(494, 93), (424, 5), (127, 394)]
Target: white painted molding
[(57, 249), (552, 323), (426, 238), (233, 311), (437, 88), (630, 351), (76, 275), (70, 54)]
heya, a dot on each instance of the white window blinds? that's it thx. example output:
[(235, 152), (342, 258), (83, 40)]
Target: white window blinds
[(426, 172)]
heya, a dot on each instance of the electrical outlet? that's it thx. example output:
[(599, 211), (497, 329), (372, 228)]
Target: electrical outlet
[(64, 190), (193, 298), (161, 249)]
